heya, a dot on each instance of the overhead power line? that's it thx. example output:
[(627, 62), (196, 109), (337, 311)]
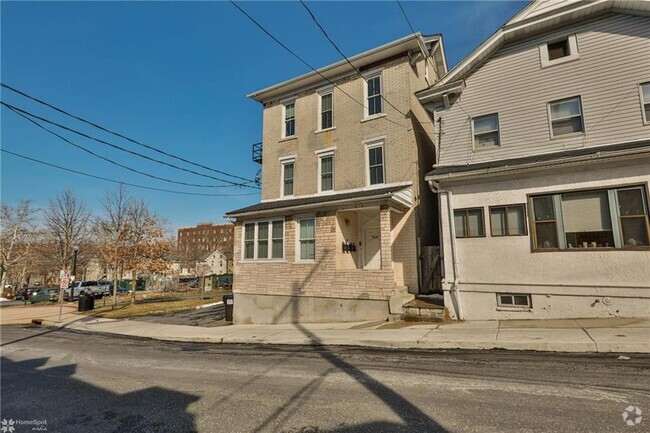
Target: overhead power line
[(155, 149), (114, 162), (171, 191), (358, 71), (290, 51), (115, 146)]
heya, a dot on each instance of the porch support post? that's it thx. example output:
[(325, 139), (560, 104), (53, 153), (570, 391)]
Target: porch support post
[(386, 241)]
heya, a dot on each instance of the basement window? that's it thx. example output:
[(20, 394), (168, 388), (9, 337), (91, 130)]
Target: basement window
[(514, 300)]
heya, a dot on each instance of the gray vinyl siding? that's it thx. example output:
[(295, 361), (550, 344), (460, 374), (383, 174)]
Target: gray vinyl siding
[(614, 59)]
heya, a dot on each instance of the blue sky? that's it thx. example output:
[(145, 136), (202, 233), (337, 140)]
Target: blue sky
[(174, 75)]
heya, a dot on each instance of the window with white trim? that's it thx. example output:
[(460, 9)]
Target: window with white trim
[(486, 131), (289, 129), (326, 170), (376, 171), (259, 235), (566, 116), (287, 178), (644, 90), (373, 95), (559, 51), (306, 239), (326, 111), (604, 218)]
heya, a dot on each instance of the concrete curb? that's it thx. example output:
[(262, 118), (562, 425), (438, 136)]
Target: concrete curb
[(397, 339)]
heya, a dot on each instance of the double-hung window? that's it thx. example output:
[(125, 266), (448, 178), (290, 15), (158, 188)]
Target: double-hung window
[(603, 218), (259, 235), (326, 170), (289, 119), (373, 95), (326, 111), (509, 220), (644, 90), (306, 239), (486, 131), (469, 223), (288, 168), (375, 164), (566, 116)]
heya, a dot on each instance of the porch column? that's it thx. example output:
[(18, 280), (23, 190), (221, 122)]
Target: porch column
[(386, 241)]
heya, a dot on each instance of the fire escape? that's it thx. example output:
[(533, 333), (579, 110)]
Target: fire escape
[(257, 157)]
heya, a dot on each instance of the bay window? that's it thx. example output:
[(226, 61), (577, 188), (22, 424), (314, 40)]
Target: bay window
[(605, 218), (259, 235)]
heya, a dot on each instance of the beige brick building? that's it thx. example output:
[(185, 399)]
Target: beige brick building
[(345, 208)]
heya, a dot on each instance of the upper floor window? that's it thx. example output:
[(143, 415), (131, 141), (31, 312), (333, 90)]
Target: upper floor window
[(605, 218), (469, 223), (375, 163), (559, 51), (644, 89), (486, 131), (289, 119), (287, 177), (326, 172), (326, 111), (566, 116), (373, 95)]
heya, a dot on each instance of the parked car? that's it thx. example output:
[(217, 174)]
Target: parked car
[(90, 287), (23, 293), (54, 294)]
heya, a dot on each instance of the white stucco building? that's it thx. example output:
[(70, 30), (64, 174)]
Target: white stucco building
[(543, 166)]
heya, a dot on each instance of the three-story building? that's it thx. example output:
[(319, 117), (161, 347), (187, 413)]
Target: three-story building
[(543, 166), (345, 208)]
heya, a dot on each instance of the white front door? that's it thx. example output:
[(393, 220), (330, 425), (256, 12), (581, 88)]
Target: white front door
[(372, 248)]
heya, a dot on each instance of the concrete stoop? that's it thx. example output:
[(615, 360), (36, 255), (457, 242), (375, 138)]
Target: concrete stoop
[(423, 310), (396, 302)]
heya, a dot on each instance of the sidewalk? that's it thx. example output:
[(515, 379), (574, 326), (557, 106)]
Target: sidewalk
[(583, 335)]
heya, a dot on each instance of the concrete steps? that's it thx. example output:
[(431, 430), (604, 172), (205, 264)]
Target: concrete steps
[(424, 309)]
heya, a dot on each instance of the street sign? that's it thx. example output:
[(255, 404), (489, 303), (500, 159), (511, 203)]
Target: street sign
[(65, 282)]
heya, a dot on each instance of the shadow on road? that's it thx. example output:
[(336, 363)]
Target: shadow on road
[(89, 408), (413, 419)]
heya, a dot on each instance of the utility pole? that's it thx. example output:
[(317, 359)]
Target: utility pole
[(75, 251)]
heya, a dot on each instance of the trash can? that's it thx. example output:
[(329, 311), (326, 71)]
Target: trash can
[(83, 302), (228, 302), (90, 302)]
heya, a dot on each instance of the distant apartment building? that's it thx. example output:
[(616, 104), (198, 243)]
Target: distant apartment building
[(195, 243)]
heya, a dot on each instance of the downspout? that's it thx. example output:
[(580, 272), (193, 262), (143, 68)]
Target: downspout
[(435, 187)]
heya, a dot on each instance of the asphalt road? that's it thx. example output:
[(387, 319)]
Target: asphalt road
[(95, 383)]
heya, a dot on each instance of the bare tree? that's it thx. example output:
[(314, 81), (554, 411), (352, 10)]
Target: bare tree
[(112, 231), (66, 221), (16, 236), (149, 248)]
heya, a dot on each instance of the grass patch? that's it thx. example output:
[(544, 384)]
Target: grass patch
[(150, 308)]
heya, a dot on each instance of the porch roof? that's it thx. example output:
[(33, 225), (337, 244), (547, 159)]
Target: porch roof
[(582, 155), (400, 194)]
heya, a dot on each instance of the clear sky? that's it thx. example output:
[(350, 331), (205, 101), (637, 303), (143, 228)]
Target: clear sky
[(175, 75)]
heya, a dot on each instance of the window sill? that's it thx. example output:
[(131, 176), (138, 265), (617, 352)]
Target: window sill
[(560, 61), (569, 135), (293, 137), (325, 130), (515, 309), (590, 249), (304, 262), (259, 261), (373, 117), (484, 148)]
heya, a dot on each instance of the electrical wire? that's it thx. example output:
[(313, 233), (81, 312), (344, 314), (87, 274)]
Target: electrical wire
[(120, 182), (81, 119), (358, 71), (115, 146), (268, 33), (114, 162)]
